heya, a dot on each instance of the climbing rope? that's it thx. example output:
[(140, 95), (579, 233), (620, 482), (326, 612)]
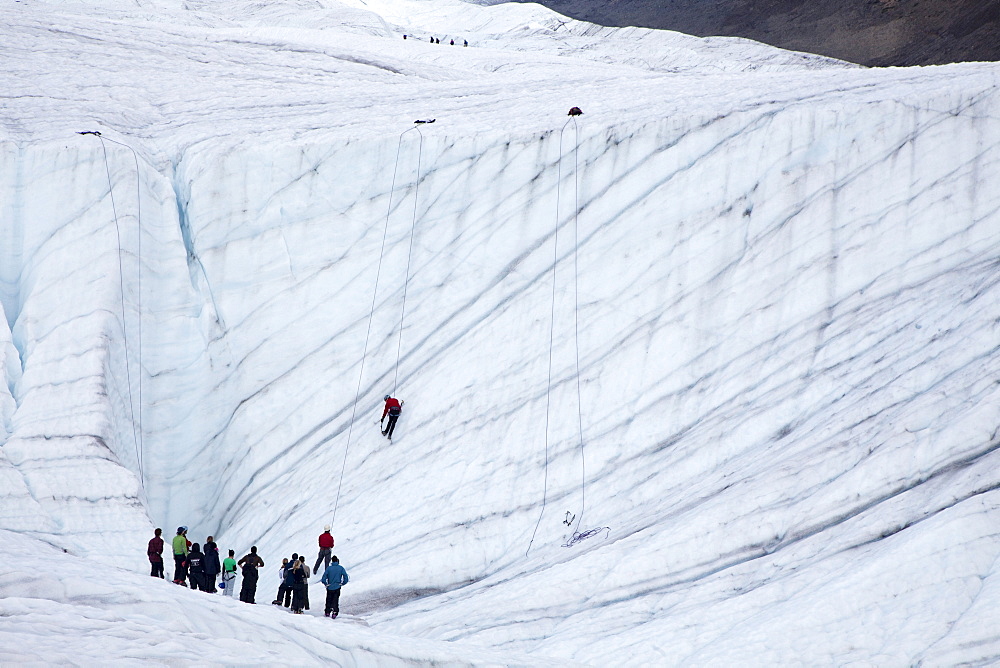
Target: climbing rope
[(552, 325), (409, 255), (577, 536), (576, 316), (371, 315), (136, 430), (548, 382)]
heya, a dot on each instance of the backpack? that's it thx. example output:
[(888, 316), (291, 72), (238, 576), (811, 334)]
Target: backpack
[(291, 576)]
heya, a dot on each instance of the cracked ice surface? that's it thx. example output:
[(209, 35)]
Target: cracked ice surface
[(787, 277)]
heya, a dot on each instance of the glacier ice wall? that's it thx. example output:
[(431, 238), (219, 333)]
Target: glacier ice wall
[(787, 329), (787, 316), (73, 359), (784, 365)]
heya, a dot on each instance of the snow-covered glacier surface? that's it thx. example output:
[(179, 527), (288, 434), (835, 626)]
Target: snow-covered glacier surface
[(739, 324)]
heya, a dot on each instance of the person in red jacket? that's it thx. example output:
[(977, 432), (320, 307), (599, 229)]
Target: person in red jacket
[(155, 554), (325, 549), (392, 408)]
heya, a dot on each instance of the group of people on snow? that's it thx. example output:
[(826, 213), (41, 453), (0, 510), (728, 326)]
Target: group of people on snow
[(437, 40), (294, 573), (202, 567)]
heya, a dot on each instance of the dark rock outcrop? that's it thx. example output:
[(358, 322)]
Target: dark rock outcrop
[(868, 32)]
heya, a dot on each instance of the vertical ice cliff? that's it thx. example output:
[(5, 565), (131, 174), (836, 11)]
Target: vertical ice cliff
[(71, 456), (784, 287), (10, 364)]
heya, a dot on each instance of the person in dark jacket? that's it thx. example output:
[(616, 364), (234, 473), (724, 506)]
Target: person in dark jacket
[(325, 549), (250, 563), (155, 553), (305, 581), (212, 565), (196, 568), (334, 578), (297, 580), (284, 596), (393, 408)]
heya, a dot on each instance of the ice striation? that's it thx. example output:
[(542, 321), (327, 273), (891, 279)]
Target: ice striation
[(778, 276)]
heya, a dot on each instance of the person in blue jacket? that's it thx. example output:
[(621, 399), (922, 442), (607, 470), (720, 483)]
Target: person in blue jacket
[(334, 577)]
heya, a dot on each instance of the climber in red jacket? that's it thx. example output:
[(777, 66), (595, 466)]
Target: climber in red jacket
[(325, 550), (392, 408)]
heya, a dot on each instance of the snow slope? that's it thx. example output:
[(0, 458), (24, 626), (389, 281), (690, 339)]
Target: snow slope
[(781, 272)]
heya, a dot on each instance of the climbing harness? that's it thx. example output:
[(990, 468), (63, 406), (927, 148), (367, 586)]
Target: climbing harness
[(371, 315), (136, 429), (576, 327)]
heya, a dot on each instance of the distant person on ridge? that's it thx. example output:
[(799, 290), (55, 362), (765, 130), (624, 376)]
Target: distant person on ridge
[(325, 549), (155, 553), (212, 565), (392, 408), (229, 574), (180, 546), (250, 563), (334, 577)]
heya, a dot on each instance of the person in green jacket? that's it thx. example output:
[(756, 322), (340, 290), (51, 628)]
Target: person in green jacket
[(229, 574), (180, 556)]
